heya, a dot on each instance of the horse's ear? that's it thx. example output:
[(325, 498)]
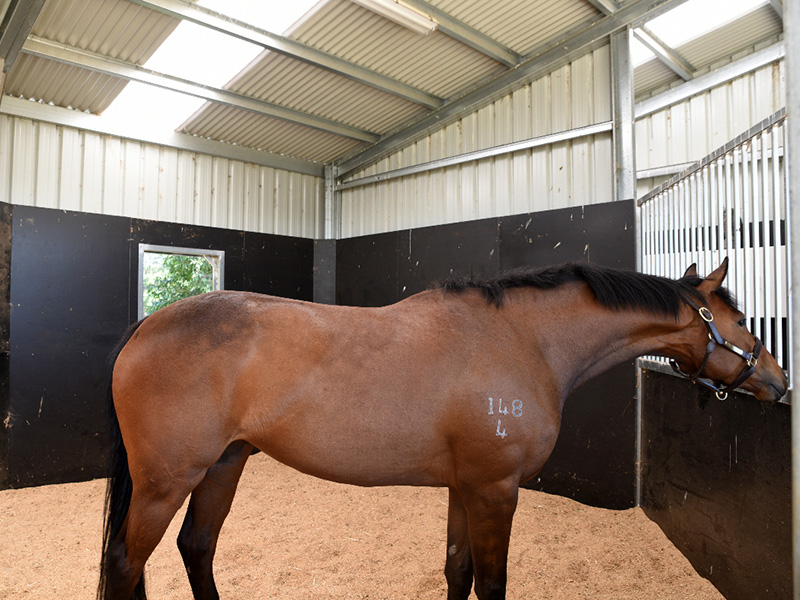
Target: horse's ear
[(716, 277), (691, 271)]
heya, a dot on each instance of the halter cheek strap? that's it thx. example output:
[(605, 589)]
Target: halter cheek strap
[(715, 339)]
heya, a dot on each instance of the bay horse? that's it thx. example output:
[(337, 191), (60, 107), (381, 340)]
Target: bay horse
[(460, 386)]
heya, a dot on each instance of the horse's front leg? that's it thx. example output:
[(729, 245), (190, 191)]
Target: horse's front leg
[(210, 503), (458, 566), (490, 510)]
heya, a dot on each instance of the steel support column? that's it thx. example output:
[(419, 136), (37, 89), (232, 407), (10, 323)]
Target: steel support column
[(333, 204), (791, 23), (622, 101), (625, 184)]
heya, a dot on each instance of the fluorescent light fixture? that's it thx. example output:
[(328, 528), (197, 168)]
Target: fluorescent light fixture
[(401, 14)]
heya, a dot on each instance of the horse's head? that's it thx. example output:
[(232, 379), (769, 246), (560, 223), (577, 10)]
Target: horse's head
[(724, 351)]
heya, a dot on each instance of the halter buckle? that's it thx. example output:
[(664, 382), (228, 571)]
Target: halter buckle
[(705, 314)]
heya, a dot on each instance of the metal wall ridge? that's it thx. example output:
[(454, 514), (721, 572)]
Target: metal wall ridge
[(711, 80), (777, 117), (542, 140)]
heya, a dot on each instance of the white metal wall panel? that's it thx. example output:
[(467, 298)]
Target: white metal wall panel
[(691, 129), (52, 166), (554, 176)]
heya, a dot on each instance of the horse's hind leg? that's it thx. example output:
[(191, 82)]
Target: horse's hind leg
[(210, 503), (458, 566), (151, 509)]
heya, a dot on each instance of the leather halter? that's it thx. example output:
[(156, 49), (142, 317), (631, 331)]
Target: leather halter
[(715, 339)]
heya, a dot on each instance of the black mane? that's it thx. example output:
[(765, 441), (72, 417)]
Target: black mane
[(616, 289)]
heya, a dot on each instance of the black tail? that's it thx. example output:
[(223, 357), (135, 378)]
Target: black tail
[(118, 490)]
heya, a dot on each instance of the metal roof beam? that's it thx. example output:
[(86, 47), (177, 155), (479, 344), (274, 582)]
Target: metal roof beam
[(666, 54), (542, 61), (117, 68), (213, 20), (467, 35), (777, 5), (16, 25), (669, 56)]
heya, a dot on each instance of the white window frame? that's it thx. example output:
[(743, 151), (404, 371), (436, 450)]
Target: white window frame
[(219, 268)]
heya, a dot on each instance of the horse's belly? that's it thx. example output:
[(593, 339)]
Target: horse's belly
[(354, 445)]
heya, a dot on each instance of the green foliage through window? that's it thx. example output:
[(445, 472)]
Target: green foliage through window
[(170, 277)]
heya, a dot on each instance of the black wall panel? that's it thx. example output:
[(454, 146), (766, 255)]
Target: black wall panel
[(594, 458), (69, 305), (5, 323), (436, 253), (73, 293), (717, 480), (367, 269)]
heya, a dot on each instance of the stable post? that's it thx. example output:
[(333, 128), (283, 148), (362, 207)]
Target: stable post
[(792, 35)]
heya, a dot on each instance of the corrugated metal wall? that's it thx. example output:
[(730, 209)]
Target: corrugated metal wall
[(53, 166), (691, 129), (554, 176)]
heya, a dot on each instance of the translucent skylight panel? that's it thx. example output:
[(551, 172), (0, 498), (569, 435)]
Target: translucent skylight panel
[(200, 55), (275, 16), (697, 17), (640, 53)]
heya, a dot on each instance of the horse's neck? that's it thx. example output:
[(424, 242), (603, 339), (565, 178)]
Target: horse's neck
[(580, 339)]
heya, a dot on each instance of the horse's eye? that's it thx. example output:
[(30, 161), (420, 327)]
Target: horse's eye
[(742, 323)]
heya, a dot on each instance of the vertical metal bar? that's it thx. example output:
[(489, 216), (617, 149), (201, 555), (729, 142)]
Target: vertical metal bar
[(707, 217), (688, 233), (695, 217), (333, 198), (745, 265), (778, 248), (729, 216), (739, 223), (722, 203), (765, 256), (660, 245), (672, 249), (757, 277), (622, 103), (791, 21), (644, 235)]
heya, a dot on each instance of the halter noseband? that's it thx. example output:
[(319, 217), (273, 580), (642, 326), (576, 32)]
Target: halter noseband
[(715, 339)]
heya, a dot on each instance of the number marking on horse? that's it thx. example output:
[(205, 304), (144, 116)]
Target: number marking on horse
[(516, 411)]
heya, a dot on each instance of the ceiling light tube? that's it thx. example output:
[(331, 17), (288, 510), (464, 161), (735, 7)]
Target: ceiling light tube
[(401, 14)]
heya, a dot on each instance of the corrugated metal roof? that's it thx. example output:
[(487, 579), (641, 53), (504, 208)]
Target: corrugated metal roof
[(114, 28), (521, 25), (236, 126), (282, 80), (738, 35), (436, 64)]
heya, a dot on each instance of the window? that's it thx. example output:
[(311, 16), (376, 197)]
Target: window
[(167, 274)]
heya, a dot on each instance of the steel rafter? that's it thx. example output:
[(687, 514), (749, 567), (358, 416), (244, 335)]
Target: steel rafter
[(277, 43), (666, 54), (15, 27), (467, 35), (125, 70)]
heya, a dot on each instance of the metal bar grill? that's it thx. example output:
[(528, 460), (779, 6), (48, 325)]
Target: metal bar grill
[(732, 203)]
